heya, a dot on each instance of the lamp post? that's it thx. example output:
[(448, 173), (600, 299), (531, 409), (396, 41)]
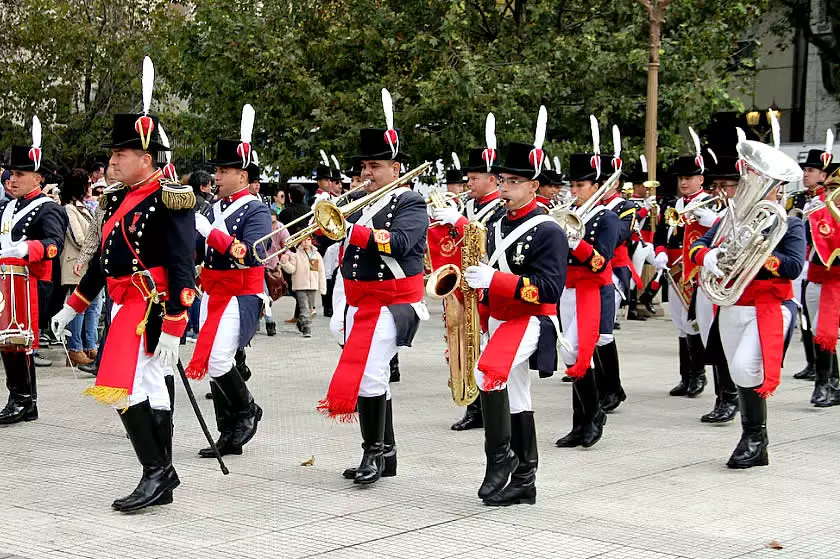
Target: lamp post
[(761, 126)]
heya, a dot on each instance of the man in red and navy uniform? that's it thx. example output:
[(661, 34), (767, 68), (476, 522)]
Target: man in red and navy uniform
[(382, 269), (145, 259), (624, 278), (523, 281), (584, 312), (822, 299), (641, 239), (754, 331), (672, 243), (32, 235), (232, 280), (484, 206)]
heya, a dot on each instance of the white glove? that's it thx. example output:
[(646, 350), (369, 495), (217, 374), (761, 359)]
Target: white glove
[(705, 216), (203, 225), (167, 350), (661, 261), (650, 201), (710, 262), (479, 277), (447, 215), (61, 320), (17, 249)]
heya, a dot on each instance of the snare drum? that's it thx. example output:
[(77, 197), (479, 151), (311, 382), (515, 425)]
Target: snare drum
[(15, 312)]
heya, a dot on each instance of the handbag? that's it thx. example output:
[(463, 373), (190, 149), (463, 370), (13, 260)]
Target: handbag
[(277, 286)]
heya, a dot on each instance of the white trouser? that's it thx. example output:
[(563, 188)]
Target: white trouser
[(383, 347), (519, 379), (568, 319), (812, 302), (797, 283), (705, 312), (641, 255), (223, 353), (339, 302), (679, 315), (149, 383), (741, 345)]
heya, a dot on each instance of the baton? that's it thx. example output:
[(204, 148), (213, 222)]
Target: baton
[(200, 418)]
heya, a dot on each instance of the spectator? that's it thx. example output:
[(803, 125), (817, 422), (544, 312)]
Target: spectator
[(84, 336), (96, 172), (6, 179), (202, 184), (308, 278), (278, 203), (295, 209)]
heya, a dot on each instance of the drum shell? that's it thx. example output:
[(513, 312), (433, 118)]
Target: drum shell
[(15, 312)]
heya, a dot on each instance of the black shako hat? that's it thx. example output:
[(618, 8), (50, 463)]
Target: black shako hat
[(455, 176), (478, 158), (516, 160), (686, 166), (28, 158), (323, 172), (139, 130), (818, 159), (583, 167), (355, 169), (726, 167), (373, 145), (239, 154)]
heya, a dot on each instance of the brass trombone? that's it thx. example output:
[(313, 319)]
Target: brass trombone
[(673, 216), (331, 219)]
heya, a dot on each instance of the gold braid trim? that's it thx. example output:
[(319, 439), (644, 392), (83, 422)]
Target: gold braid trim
[(177, 197), (109, 396)]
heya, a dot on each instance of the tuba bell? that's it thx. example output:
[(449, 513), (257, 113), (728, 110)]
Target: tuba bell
[(751, 226)]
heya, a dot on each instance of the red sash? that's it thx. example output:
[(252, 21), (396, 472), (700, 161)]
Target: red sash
[(368, 297), (497, 358), (621, 259), (221, 286), (115, 380), (587, 287), (828, 315), (767, 296)]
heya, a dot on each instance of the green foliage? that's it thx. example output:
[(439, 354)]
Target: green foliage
[(314, 70)]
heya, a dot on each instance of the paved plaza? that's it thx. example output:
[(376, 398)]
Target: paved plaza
[(654, 487)]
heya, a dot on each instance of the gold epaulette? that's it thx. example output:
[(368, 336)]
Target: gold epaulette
[(110, 189), (177, 196)]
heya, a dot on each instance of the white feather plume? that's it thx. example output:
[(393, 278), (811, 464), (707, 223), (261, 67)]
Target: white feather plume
[(542, 122), (616, 141), (742, 136), (335, 160), (164, 139), (547, 164), (596, 134), (829, 141), (36, 132), (456, 161), (490, 131), (643, 161), (556, 164), (388, 107), (246, 129), (148, 83), (696, 140), (324, 159), (713, 154), (775, 128), (255, 159)]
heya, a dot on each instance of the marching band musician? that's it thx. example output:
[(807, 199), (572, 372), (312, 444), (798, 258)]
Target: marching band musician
[(641, 239), (584, 313), (551, 184), (145, 259), (624, 276), (723, 174), (672, 241), (754, 330), (232, 280), (455, 179), (485, 206), (822, 298), (814, 172), (523, 282), (382, 268), (32, 235)]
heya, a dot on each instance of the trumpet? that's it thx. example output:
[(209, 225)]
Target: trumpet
[(571, 220), (830, 203), (331, 220), (673, 216)]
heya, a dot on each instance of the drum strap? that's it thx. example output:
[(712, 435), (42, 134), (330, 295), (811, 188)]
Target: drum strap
[(9, 211)]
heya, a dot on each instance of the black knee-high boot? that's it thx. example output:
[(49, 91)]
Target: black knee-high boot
[(501, 459), (594, 417), (824, 394), (697, 366), (610, 390), (372, 423), (522, 488), (726, 396), (810, 369), (395, 368), (472, 417), (389, 448), (20, 381), (241, 365), (685, 363), (150, 432), (224, 423), (752, 448), (572, 438), (245, 414)]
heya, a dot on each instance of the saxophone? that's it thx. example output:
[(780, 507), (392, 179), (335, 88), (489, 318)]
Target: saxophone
[(473, 250)]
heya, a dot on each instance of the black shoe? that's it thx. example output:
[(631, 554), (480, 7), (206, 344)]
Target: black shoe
[(522, 488), (726, 396), (501, 459), (696, 385), (681, 389), (634, 315), (808, 373), (722, 412), (89, 368), (17, 411), (609, 402), (752, 448), (567, 378), (472, 418), (810, 370), (20, 381), (395, 368), (150, 432), (591, 432), (40, 361), (271, 328), (372, 412), (571, 440)]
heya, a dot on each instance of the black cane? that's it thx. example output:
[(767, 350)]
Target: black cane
[(200, 417)]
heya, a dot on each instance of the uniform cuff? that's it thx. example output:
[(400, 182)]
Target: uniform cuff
[(36, 251), (503, 285), (583, 251), (698, 254), (78, 302), (175, 325), (219, 241), (360, 236), (660, 249)]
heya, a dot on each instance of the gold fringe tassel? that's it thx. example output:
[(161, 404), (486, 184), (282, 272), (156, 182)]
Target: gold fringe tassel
[(182, 200), (107, 395)]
